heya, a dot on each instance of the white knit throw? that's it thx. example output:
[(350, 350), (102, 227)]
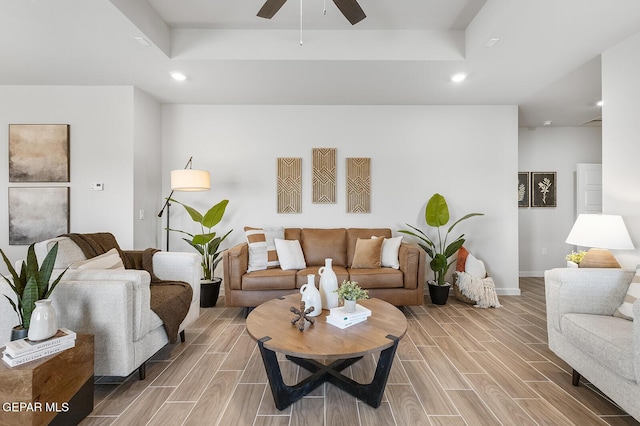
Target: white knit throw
[(483, 291)]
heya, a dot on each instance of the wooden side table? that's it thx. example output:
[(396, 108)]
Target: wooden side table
[(55, 390), (270, 325)]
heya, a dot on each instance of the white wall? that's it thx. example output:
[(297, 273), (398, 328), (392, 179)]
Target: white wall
[(102, 150), (147, 173), (620, 135), (549, 149), (467, 153)]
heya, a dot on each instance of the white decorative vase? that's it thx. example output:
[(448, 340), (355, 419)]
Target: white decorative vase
[(311, 296), (328, 285), (350, 306), (43, 321)]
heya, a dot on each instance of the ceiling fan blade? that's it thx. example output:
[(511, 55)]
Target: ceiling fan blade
[(351, 10), (270, 8)]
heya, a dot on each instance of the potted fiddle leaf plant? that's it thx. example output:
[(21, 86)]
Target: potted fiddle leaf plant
[(207, 243), (437, 216), (30, 285)]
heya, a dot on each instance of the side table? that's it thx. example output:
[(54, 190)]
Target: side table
[(54, 390)]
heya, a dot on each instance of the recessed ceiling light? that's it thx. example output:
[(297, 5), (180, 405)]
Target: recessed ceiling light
[(142, 41), (600, 103), (178, 76), (458, 77), (547, 123), (491, 42)]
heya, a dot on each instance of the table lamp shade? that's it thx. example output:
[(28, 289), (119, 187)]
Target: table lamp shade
[(600, 231), (190, 180)]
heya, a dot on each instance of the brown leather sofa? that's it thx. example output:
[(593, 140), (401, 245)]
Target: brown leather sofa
[(403, 286)]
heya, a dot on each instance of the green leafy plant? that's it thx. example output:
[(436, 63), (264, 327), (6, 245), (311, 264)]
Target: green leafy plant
[(576, 257), (32, 283), (437, 215), (206, 243), (350, 290)]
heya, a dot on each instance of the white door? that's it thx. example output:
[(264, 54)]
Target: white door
[(589, 188)]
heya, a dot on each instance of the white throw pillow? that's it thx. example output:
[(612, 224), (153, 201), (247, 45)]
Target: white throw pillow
[(290, 254), (390, 249), (633, 292), (108, 260), (475, 267)]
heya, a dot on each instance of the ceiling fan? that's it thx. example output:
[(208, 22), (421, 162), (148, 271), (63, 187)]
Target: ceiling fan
[(349, 8)]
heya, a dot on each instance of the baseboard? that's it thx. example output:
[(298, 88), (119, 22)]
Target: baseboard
[(531, 274), (508, 291)]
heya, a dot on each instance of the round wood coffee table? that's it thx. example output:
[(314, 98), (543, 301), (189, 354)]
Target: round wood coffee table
[(270, 325)]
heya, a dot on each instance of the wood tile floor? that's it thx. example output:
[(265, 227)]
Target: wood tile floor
[(457, 365)]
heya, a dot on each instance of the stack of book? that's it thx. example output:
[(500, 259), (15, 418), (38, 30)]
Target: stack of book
[(24, 350), (342, 319)]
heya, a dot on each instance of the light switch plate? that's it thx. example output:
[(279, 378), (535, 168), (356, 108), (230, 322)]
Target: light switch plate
[(97, 186)]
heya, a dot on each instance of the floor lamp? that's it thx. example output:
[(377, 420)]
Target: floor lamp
[(601, 232), (187, 180)]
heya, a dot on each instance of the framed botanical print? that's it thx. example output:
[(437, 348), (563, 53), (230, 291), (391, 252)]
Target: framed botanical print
[(543, 189), (524, 193)]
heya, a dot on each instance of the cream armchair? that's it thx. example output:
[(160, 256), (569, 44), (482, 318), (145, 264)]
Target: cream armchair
[(113, 305), (584, 332)]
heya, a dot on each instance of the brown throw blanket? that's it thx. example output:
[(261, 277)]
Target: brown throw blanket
[(170, 300)]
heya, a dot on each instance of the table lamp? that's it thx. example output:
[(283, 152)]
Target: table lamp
[(600, 232), (186, 179)]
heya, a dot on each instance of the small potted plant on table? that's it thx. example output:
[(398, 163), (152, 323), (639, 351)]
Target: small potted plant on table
[(350, 292)]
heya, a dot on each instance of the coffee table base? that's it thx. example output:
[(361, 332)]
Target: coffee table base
[(284, 395)]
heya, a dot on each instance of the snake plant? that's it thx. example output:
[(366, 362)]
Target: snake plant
[(32, 283)]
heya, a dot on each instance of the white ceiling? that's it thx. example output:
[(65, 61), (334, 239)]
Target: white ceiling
[(547, 60)]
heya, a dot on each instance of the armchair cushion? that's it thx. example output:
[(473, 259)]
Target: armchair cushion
[(625, 310), (108, 260), (603, 338), (68, 251)]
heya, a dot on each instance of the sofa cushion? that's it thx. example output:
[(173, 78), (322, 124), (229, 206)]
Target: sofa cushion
[(354, 233), (108, 260), (607, 339), (68, 251), (625, 310), (390, 250), (262, 248), (290, 254), (368, 253), (320, 244), (377, 278), (269, 279)]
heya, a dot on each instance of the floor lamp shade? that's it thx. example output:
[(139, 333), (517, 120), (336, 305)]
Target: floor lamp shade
[(600, 232), (190, 180)]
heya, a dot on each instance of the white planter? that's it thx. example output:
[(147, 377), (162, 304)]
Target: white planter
[(44, 323), (349, 306)]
